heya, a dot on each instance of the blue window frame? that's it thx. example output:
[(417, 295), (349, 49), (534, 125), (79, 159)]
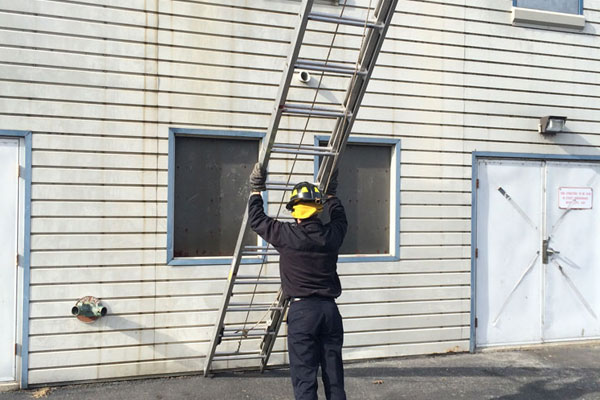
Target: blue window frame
[(370, 191), (561, 6), (207, 193)]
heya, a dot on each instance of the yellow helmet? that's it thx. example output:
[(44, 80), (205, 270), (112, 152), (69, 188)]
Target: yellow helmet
[(306, 200), (304, 192)]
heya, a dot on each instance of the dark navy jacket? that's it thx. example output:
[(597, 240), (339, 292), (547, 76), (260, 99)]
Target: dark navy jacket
[(308, 251)]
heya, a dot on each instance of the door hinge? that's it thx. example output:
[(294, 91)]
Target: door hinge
[(477, 183), (476, 252), (16, 349), (475, 322), (17, 261)]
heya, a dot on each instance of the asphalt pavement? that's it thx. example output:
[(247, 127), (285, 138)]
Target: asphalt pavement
[(561, 372)]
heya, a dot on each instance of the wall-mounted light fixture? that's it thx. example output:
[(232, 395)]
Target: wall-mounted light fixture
[(552, 124)]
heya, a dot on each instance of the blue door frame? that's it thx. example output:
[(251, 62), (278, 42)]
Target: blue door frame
[(25, 264)]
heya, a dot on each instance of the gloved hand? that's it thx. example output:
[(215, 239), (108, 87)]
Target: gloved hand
[(258, 178), (333, 183)]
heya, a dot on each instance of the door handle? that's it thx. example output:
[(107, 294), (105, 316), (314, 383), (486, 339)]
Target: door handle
[(547, 251)]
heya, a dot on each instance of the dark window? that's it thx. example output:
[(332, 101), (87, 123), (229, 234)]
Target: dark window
[(562, 6), (364, 177), (210, 194)]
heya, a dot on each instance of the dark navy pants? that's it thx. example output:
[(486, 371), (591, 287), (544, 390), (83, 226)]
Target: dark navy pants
[(315, 337)]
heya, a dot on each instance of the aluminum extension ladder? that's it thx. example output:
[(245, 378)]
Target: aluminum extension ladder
[(375, 29)]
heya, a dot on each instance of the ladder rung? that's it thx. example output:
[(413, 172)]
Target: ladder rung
[(234, 304), (247, 334), (254, 260), (322, 17), (260, 253), (235, 309), (257, 247), (278, 186), (333, 68), (257, 282), (307, 110), (256, 277), (302, 147), (304, 152), (236, 356)]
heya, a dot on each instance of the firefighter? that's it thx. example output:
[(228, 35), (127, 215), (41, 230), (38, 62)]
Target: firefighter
[(308, 268)]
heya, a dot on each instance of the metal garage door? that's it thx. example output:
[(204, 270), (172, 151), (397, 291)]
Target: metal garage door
[(9, 184), (537, 268)]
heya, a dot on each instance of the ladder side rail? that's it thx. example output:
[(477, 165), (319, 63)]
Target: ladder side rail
[(356, 91), (264, 160), (284, 86), (369, 53), (280, 316), (235, 264), (277, 319)]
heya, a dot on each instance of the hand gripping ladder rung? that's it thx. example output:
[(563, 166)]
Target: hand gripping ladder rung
[(344, 113)]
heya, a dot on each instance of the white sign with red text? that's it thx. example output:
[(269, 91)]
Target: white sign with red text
[(575, 198)]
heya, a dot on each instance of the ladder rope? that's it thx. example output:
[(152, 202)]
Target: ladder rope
[(279, 210), (260, 320)]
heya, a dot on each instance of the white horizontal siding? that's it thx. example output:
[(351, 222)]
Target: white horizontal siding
[(100, 84), (195, 345), (149, 273), (72, 331), (130, 306), (183, 365), (191, 287)]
